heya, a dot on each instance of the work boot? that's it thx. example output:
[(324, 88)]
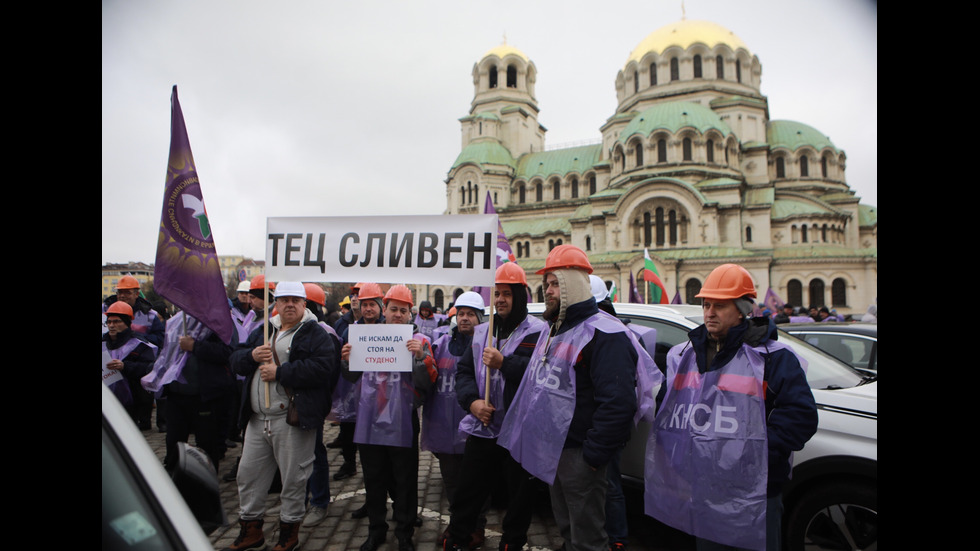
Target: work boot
[(346, 470), (405, 544), (250, 538), (288, 536), (477, 538)]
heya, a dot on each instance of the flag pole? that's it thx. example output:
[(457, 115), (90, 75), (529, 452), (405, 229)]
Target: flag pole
[(265, 334), (486, 382)]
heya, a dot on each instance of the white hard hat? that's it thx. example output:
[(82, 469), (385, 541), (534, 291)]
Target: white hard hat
[(470, 300), (599, 291), (290, 289), (244, 287)]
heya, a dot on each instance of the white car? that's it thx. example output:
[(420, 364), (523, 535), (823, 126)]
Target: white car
[(141, 506), (832, 500)]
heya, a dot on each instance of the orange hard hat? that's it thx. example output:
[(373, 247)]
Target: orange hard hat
[(258, 283), (315, 293), (369, 291), (400, 293), (566, 256), (120, 308), (510, 272), (128, 282), (354, 288), (728, 282)]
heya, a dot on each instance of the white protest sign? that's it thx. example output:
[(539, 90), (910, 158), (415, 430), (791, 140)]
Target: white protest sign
[(380, 347), (437, 250), (109, 376)]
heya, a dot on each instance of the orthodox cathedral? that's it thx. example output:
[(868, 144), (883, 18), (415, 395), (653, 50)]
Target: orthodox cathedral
[(690, 167)]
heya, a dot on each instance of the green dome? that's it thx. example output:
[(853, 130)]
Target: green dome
[(673, 116), (485, 152), (794, 135)]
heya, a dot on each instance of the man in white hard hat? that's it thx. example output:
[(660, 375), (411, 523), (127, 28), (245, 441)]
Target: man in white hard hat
[(299, 368)]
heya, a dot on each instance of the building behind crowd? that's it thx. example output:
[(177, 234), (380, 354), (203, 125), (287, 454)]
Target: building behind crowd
[(690, 165)]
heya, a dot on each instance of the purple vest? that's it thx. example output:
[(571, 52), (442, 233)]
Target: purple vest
[(648, 376), (384, 408), (170, 362), (441, 414), (121, 387), (427, 326), (542, 410), (470, 424), (707, 453)]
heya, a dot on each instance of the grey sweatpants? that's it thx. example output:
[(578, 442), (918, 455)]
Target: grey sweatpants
[(269, 443)]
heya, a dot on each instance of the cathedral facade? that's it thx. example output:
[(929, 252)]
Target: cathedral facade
[(690, 167)]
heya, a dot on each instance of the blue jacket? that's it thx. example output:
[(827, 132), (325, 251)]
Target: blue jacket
[(310, 373), (791, 413), (605, 390)]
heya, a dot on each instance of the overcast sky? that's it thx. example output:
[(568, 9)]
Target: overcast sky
[(318, 108)]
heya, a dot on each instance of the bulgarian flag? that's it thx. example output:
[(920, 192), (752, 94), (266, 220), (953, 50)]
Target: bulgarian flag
[(658, 293), (613, 293)]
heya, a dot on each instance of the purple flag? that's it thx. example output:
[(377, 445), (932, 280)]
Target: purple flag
[(634, 293), (677, 298), (187, 271), (504, 252), (772, 301)]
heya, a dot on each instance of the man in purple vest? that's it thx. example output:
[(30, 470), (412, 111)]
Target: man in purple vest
[(736, 405), (575, 407), (387, 428), (505, 358)]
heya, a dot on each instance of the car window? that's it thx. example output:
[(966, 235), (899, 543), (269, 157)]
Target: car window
[(131, 518), (823, 371), (668, 335), (853, 350)]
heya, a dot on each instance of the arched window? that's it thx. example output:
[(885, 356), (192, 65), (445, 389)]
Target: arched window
[(439, 299), (794, 292), (551, 244), (511, 76), (838, 292), (672, 221), (720, 67), (462, 195), (539, 192), (638, 148), (738, 71), (493, 76), (823, 233), (521, 194), (697, 66), (495, 198), (574, 188), (476, 193), (780, 167), (748, 234), (804, 236), (527, 248), (661, 150), (675, 73), (540, 294), (588, 242), (556, 190), (469, 192), (592, 185), (804, 167), (823, 167), (660, 226), (653, 74), (816, 293), (691, 290), (647, 230), (687, 149), (710, 151), (636, 82)]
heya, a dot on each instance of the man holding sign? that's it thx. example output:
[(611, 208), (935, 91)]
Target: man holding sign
[(298, 371), (505, 357), (387, 426)]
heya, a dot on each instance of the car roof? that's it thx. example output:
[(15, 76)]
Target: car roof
[(866, 329)]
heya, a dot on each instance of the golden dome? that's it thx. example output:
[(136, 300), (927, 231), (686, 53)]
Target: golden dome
[(685, 33), (504, 50)]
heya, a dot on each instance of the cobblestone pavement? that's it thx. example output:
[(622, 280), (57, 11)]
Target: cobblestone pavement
[(339, 532)]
